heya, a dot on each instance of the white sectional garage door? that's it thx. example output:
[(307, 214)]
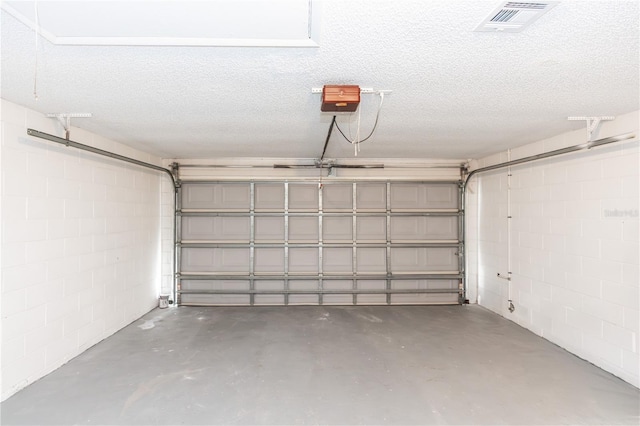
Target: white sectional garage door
[(334, 243)]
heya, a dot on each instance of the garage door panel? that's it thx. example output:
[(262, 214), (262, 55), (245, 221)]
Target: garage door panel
[(424, 298), (424, 284), (303, 260), (442, 196), (199, 196), (371, 260), (226, 285), (265, 248), (215, 260), (337, 197), (337, 229), (303, 197), (269, 260), (197, 260), (423, 196), (217, 196), (371, 299), (269, 197), (371, 229), (442, 259), (199, 227), (303, 229), (337, 261), (298, 285), (423, 259), (424, 228), (442, 227), (371, 284), (371, 196), (269, 229), (406, 196), (261, 285), (337, 284), (337, 299), (215, 299), (215, 228), (304, 299), (268, 299), (234, 228)]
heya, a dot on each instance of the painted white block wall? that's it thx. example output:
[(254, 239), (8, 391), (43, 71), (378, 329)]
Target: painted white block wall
[(574, 245), (80, 252)]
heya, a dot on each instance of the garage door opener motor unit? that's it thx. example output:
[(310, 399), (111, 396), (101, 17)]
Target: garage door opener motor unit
[(337, 98)]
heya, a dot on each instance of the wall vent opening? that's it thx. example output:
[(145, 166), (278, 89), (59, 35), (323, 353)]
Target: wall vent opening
[(513, 16)]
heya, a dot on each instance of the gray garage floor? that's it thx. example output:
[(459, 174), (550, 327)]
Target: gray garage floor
[(325, 365)]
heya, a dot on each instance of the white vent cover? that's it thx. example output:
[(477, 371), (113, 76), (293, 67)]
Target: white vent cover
[(514, 16)]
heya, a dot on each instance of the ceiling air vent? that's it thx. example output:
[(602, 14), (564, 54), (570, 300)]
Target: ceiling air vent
[(513, 16)]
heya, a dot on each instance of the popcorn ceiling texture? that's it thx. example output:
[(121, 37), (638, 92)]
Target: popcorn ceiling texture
[(456, 93)]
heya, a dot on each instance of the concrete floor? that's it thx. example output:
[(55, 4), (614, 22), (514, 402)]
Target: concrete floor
[(325, 365)]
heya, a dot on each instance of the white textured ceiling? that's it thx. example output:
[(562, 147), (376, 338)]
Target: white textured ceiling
[(456, 93)]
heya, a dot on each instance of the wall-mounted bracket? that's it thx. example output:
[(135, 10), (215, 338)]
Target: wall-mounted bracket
[(363, 91), (175, 172), (65, 119), (592, 124)]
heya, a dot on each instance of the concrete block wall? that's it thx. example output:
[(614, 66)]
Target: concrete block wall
[(574, 245), (80, 252)]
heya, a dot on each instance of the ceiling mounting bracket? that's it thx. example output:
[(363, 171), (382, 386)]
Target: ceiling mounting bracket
[(65, 119), (363, 91), (593, 123)]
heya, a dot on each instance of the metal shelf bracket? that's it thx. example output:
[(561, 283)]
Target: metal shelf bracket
[(65, 119), (593, 123)]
